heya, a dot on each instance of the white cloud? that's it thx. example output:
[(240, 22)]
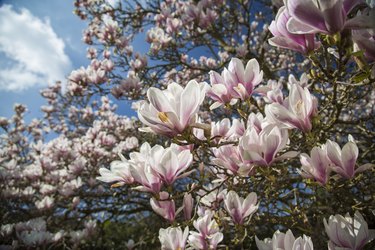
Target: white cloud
[(31, 54)]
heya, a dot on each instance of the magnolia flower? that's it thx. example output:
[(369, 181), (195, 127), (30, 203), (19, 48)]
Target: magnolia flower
[(46, 203), (321, 16), (119, 173), (261, 148), (234, 82), (173, 238), (211, 195), (223, 130), (239, 208), (208, 235), (296, 111), (344, 160), (317, 167), (169, 163), (303, 43), (272, 92), (347, 232), (142, 172), (285, 241), (172, 110), (164, 206), (229, 157), (147, 177), (303, 81)]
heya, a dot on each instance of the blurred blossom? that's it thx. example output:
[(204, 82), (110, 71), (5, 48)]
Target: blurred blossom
[(348, 232), (328, 17), (303, 43), (365, 40), (173, 238), (285, 241), (188, 205)]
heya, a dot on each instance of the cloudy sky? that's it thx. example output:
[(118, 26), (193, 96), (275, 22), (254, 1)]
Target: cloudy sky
[(40, 42)]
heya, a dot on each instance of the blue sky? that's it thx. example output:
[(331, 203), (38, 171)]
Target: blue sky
[(40, 42)]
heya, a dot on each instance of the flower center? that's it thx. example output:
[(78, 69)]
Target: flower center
[(163, 117)]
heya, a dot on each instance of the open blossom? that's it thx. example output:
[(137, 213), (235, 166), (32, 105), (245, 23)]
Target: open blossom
[(229, 157), (119, 173), (173, 238), (303, 43), (172, 110), (321, 16), (317, 166), (170, 163), (153, 167), (296, 111), (208, 235), (164, 206), (223, 130), (142, 172), (348, 232), (261, 148), (239, 208), (272, 92), (285, 241), (344, 160), (235, 82)]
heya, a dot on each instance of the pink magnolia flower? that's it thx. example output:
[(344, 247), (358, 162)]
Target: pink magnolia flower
[(169, 163), (142, 172), (321, 16), (303, 43), (296, 111), (344, 160), (224, 130), (303, 81), (238, 208), (261, 148), (285, 241), (229, 157), (172, 110), (234, 82), (119, 173), (208, 235), (272, 92), (164, 206), (317, 167), (348, 232), (173, 238)]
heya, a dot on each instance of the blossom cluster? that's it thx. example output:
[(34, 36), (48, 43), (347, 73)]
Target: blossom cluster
[(207, 165)]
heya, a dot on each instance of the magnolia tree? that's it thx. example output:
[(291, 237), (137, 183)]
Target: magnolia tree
[(255, 130)]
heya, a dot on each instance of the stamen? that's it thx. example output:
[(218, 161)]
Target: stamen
[(163, 117)]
